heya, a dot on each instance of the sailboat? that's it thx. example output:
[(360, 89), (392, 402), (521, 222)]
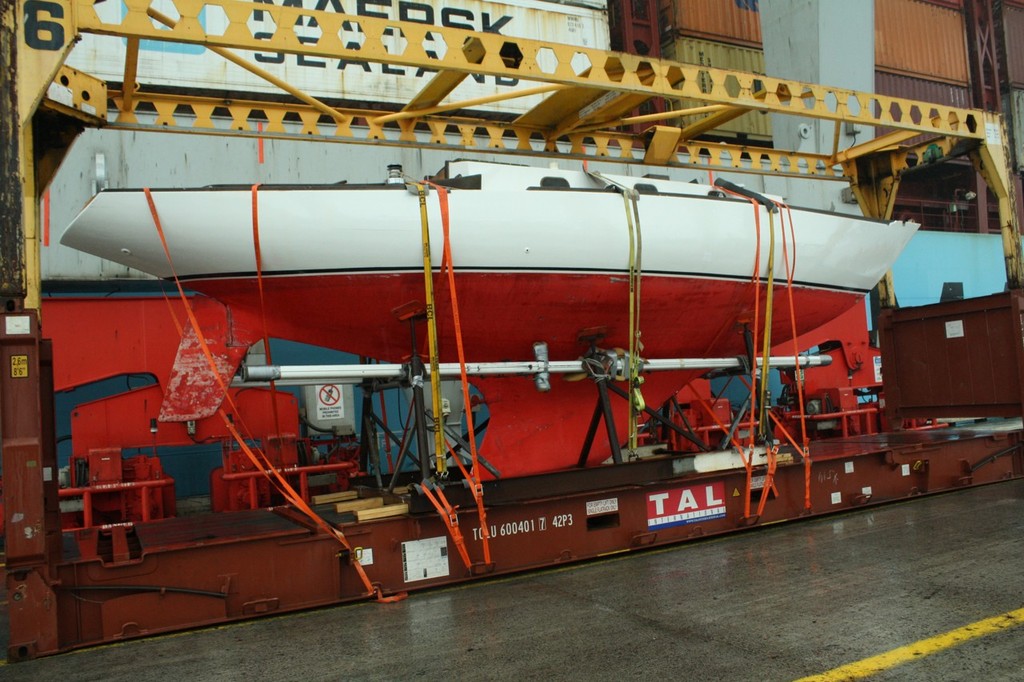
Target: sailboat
[(539, 255)]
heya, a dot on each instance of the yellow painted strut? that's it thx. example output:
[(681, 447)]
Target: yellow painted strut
[(435, 369), (636, 399)]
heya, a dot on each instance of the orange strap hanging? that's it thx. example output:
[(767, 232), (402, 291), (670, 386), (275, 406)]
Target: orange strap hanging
[(756, 281), (263, 303), (473, 476), (790, 274), (746, 456), (257, 457), (450, 516)]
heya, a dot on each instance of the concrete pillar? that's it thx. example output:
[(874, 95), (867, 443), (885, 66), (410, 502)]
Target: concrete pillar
[(831, 42)]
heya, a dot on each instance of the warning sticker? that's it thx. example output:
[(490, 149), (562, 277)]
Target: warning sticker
[(425, 559), (686, 505), (329, 404), (19, 366)]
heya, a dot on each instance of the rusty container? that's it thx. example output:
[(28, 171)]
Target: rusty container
[(730, 21), (921, 89), (921, 39), (956, 359), (1012, 20)]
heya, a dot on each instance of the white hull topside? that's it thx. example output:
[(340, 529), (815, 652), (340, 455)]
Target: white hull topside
[(511, 224)]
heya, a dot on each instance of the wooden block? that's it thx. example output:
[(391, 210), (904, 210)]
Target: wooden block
[(335, 497), (357, 505), (382, 512)]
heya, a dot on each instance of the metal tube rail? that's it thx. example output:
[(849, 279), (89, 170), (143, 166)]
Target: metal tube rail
[(87, 493), (290, 471), (353, 374)]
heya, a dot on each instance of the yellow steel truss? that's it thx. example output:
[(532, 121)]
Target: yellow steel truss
[(624, 75)]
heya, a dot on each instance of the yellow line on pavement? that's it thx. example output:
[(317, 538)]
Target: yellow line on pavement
[(919, 649)]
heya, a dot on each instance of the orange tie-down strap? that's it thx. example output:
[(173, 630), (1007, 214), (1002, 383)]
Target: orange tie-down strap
[(258, 459), (263, 304), (790, 271), (472, 476), (790, 265), (450, 516)]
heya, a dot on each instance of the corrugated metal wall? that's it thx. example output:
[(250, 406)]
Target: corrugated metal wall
[(920, 39), (912, 37), (1013, 26), (908, 87), (731, 21)]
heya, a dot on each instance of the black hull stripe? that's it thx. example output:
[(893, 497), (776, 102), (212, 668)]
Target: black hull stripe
[(511, 271)]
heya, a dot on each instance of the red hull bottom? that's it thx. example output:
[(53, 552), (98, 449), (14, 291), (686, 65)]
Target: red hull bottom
[(502, 315)]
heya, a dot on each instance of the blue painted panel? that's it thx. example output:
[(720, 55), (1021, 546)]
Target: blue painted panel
[(932, 258)]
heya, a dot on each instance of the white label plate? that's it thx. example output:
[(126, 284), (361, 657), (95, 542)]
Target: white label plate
[(19, 324), (425, 559), (602, 506)]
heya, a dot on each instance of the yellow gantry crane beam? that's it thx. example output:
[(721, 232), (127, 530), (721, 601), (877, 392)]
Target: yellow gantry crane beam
[(473, 52), (588, 91)]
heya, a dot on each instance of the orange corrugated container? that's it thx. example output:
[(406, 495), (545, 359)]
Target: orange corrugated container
[(729, 21), (920, 39)]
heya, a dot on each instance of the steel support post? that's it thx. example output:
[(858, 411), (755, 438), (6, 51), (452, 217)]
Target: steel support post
[(992, 160), (30, 485), (875, 181)]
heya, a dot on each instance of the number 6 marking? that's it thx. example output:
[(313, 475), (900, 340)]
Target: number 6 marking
[(42, 33)]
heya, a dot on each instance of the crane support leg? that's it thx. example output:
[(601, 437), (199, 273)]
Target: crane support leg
[(992, 161), (875, 181)]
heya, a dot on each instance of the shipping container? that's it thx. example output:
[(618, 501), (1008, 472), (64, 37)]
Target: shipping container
[(1013, 35), (920, 39), (1016, 120), (754, 125), (729, 21), (344, 80), (921, 89)]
